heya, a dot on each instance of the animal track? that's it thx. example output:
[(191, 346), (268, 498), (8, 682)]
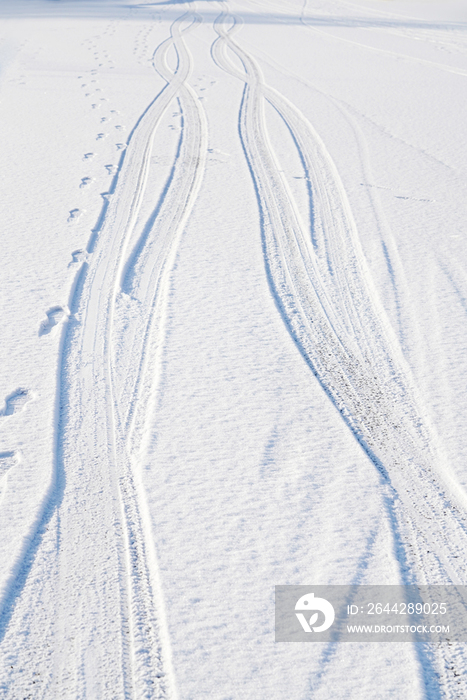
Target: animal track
[(120, 146), (15, 402), (7, 461), (88, 156), (85, 181), (74, 215), (54, 316), (111, 169), (101, 136), (77, 256), (217, 156)]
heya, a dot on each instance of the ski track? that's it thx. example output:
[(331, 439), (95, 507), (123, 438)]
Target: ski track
[(323, 289), (109, 630)]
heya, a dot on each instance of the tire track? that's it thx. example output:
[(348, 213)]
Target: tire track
[(146, 273), (145, 651), (391, 255), (101, 598), (328, 302)]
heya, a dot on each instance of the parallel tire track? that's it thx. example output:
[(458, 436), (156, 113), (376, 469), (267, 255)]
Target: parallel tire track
[(330, 306), (110, 594), (93, 612), (145, 276), (149, 274)]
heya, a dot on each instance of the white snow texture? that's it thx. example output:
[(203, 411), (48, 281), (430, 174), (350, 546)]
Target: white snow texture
[(233, 298)]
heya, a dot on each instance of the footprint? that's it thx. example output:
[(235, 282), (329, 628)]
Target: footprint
[(77, 256), (104, 119), (218, 151), (111, 169), (120, 146), (101, 136), (85, 181), (95, 106), (119, 127), (88, 156), (15, 402), (7, 461), (74, 215), (54, 316)]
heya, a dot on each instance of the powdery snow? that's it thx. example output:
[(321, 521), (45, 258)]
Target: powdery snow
[(233, 327)]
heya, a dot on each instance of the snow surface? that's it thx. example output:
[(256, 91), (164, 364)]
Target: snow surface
[(233, 298)]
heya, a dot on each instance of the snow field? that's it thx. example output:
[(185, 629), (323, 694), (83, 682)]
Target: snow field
[(233, 302)]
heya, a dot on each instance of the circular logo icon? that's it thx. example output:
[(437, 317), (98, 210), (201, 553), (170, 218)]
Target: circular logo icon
[(309, 604)]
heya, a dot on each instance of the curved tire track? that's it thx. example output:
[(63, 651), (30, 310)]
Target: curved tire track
[(323, 288), (148, 274), (145, 650), (101, 597), (145, 275)]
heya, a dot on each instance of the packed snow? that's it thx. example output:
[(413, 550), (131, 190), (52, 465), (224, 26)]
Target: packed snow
[(233, 297)]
